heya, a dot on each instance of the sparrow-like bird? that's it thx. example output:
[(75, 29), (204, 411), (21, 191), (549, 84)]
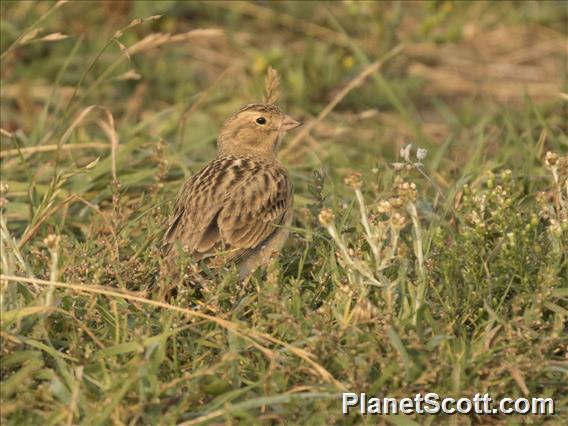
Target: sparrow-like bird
[(238, 207)]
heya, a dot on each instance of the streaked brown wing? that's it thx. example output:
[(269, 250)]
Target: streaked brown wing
[(232, 204), (253, 212), (196, 205)]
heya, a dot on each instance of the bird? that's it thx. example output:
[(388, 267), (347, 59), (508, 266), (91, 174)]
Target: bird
[(238, 208)]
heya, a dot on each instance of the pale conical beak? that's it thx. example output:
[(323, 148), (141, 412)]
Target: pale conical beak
[(289, 124)]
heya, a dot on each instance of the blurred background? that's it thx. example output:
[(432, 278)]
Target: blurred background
[(170, 72), (460, 59)]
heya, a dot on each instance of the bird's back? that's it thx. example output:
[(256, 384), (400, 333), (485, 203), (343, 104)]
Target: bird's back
[(229, 210)]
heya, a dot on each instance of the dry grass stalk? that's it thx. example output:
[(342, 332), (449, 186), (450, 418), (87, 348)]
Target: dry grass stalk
[(111, 133), (252, 336), (32, 31), (31, 230), (30, 150), (50, 37), (159, 39)]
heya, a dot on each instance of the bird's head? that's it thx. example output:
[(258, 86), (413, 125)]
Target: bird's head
[(255, 129)]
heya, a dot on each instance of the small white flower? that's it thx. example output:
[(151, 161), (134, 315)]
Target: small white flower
[(405, 152), (397, 166), (421, 153)]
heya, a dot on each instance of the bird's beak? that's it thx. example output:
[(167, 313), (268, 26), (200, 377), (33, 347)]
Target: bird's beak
[(289, 124)]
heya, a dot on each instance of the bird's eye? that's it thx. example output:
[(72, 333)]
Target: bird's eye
[(261, 120)]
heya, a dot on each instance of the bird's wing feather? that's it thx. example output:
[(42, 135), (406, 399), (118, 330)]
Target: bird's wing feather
[(259, 205), (196, 206), (233, 203)]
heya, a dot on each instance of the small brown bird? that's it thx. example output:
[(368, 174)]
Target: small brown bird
[(237, 208)]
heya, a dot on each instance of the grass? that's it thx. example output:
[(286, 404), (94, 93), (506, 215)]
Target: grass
[(445, 274)]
